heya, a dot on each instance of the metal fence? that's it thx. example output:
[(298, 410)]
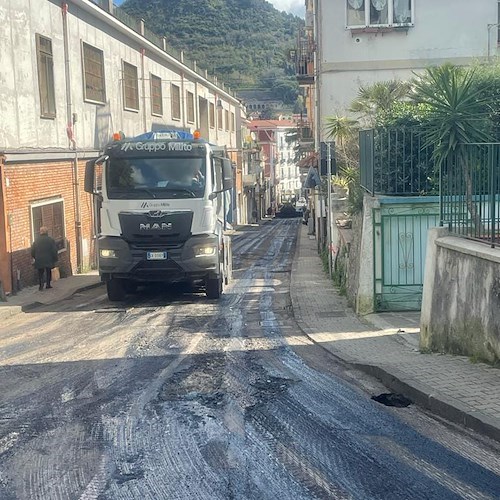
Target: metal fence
[(395, 161), (470, 192)]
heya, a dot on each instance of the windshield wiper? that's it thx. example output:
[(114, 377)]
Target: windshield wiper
[(129, 193), (180, 190), (146, 190)]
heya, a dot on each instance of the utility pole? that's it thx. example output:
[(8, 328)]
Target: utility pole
[(329, 214)]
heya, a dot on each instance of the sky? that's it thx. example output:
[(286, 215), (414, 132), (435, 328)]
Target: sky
[(296, 7)]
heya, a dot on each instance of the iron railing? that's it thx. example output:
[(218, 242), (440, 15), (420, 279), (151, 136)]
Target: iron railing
[(470, 192), (395, 161)]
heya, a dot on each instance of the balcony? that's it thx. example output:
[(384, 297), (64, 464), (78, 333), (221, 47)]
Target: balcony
[(305, 134), (304, 58)]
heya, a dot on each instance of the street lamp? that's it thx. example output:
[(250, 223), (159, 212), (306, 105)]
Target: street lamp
[(490, 26)]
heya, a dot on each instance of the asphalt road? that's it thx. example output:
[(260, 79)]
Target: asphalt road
[(172, 396)]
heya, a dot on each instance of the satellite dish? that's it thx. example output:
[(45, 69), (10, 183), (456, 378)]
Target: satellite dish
[(356, 4)]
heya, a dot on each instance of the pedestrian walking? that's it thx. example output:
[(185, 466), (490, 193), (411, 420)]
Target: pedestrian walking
[(44, 253)]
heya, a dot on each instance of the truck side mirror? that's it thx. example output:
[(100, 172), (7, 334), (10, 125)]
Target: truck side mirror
[(227, 174), (89, 181)]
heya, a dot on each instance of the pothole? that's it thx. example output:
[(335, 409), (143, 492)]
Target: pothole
[(392, 399)]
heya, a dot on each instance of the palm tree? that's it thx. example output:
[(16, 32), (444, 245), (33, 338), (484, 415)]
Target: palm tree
[(458, 116), (343, 130), (378, 97)]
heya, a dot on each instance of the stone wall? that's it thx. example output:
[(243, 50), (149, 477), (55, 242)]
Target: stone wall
[(461, 300)]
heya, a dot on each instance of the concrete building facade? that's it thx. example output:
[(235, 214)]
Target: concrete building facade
[(360, 42), (71, 74)]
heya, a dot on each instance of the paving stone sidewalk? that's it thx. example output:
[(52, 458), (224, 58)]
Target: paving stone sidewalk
[(30, 297), (386, 346)]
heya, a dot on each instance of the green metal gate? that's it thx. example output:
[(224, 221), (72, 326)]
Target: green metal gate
[(400, 241)]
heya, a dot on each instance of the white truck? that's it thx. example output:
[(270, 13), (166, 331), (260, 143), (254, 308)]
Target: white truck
[(161, 207)]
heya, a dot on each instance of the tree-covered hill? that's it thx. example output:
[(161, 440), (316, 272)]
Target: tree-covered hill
[(241, 41)]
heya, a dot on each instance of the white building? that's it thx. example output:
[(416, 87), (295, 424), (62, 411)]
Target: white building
[(360, 42), (75, 63), (288, 173), (71, 74)]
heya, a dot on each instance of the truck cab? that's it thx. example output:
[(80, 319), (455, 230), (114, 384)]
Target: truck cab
[(162, 210)]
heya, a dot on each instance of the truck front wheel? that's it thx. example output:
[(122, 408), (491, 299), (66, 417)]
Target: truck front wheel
[(214, 287), (116, 290)]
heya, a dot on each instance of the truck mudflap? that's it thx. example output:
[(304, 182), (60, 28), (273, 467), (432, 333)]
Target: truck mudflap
[(228, 259)]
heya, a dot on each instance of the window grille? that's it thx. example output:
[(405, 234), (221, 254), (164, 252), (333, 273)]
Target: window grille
[(46, 77), (156, 96), (130, 87), (93, 74)]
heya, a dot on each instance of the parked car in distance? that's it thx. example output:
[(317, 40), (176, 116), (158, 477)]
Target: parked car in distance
[(300, 203), (287, 211)]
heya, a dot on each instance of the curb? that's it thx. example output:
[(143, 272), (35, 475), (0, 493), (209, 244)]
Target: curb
[(421, 394), (10, 311), (443, 406)]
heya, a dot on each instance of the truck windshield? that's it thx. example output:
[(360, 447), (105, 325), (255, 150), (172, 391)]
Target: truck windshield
[(140, 178)]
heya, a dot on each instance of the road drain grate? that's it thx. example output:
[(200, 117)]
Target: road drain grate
[(391, 399)]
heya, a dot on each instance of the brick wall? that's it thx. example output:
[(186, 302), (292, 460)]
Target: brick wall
[(26, 184)]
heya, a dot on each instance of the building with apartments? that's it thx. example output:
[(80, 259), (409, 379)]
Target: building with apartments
[(360, 42), (71, 74), (281, 173)]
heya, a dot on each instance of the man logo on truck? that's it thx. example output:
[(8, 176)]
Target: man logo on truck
[(155, 226)]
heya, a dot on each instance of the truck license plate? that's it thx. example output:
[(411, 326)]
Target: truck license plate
[(157, 255)]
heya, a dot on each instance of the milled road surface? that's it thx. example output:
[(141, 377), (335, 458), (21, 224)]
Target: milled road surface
[(173, 396)]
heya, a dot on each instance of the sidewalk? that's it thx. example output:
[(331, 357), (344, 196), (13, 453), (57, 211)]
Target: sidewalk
[(31, 297), (386, 346)]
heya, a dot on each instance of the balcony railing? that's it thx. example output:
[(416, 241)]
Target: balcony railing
[(304, 58)]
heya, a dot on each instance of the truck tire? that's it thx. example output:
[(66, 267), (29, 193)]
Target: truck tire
[(214, 287), (116, 290)]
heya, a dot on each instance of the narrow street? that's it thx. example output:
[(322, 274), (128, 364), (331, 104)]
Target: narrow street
[(170, 395)]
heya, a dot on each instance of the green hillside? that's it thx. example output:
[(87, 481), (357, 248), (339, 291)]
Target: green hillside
[(244, 42)]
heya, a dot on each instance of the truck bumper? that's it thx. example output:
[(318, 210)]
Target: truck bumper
[(191, 260)]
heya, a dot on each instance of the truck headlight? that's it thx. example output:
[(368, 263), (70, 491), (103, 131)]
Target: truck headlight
[(107, 254), (205, 251)]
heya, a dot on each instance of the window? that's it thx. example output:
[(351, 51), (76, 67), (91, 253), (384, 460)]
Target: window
[(130, 87), (361, 13), (156, 96), (93, 74), (219, 118), (226, 119), (45, 77), (212, 115), (190, 106), (175, 92), (51, 215), (233, 123)]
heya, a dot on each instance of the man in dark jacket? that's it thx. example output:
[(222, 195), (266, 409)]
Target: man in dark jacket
[(44, 251)]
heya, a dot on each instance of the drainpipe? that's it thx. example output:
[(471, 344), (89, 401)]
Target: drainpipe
[(71, 120), (144, 114)]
